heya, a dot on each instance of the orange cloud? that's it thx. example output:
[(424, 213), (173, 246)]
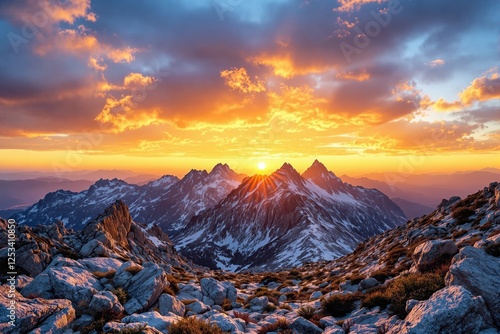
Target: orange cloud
[(129, 118), (138, 80), (443, 105), (238, 79), (284, 66), (355, 76), (482, 89), (351, 5), (69, 11)]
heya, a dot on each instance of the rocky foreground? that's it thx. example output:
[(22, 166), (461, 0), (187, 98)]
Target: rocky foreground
[(436, 274)]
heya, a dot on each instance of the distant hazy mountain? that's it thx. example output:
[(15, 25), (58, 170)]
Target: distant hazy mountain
[(418, 194), (286, 219), (167, 202), (22, 193)]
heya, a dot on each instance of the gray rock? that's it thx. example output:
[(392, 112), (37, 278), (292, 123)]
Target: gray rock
[(479, 273), (282, 298), (228, 324), (125, 272), (132, 306), (410, 304), (315, 295), (258, 304), (73, 283), (334, 330), (452, 310), (327, 321), (214, 289), (169, 304), (189, 291), (119, 327), (101, 264), (22, 281), (303, 326), (430, 252), (36, 315), (147, 285), (368, 283), (198, 307), (153, 319), (105, 302), (94, 248)]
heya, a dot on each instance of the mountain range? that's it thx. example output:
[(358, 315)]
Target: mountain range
[(225, 220), (433, 274), (286, 219)]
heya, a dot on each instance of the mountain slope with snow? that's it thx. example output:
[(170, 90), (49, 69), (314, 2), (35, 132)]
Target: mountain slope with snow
[(167, 202), (286, 219)]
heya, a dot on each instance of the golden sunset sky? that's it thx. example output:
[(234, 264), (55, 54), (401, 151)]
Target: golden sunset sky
[(167, 86)]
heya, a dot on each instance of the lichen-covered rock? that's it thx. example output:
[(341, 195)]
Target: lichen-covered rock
[(452, 310), (479, 273)]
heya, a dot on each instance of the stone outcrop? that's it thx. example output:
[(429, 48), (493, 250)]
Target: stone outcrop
[(39, 315), (431, 252), (479, 273), (452, 310)]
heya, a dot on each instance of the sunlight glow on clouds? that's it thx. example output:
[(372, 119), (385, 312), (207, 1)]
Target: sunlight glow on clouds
[(268, 78)]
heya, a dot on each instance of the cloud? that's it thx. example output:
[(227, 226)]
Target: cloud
[(353, 5), (238, 79), (482, 89), (128, 117), (436, 63)]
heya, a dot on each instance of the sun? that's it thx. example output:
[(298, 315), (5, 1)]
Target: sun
[(261, 165)]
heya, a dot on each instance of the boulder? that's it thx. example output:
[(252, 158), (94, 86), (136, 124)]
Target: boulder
[(197, 307), (105, 302), (452, 310), (153, 319), (303, 326), (315, 295), (368, 283), (119, 327), (36, 315), (227, 324), (334, 330), (146, 286), (125, 272), (101, 264), (431, 252), (327, 321), (217, 291), (73, 283), (258, 304), (189, 291), (170, 304), (479, 273)]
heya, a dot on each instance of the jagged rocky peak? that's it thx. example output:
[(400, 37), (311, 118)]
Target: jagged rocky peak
[(221, 169), (116, 221), (286, 173), (317, 170)]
